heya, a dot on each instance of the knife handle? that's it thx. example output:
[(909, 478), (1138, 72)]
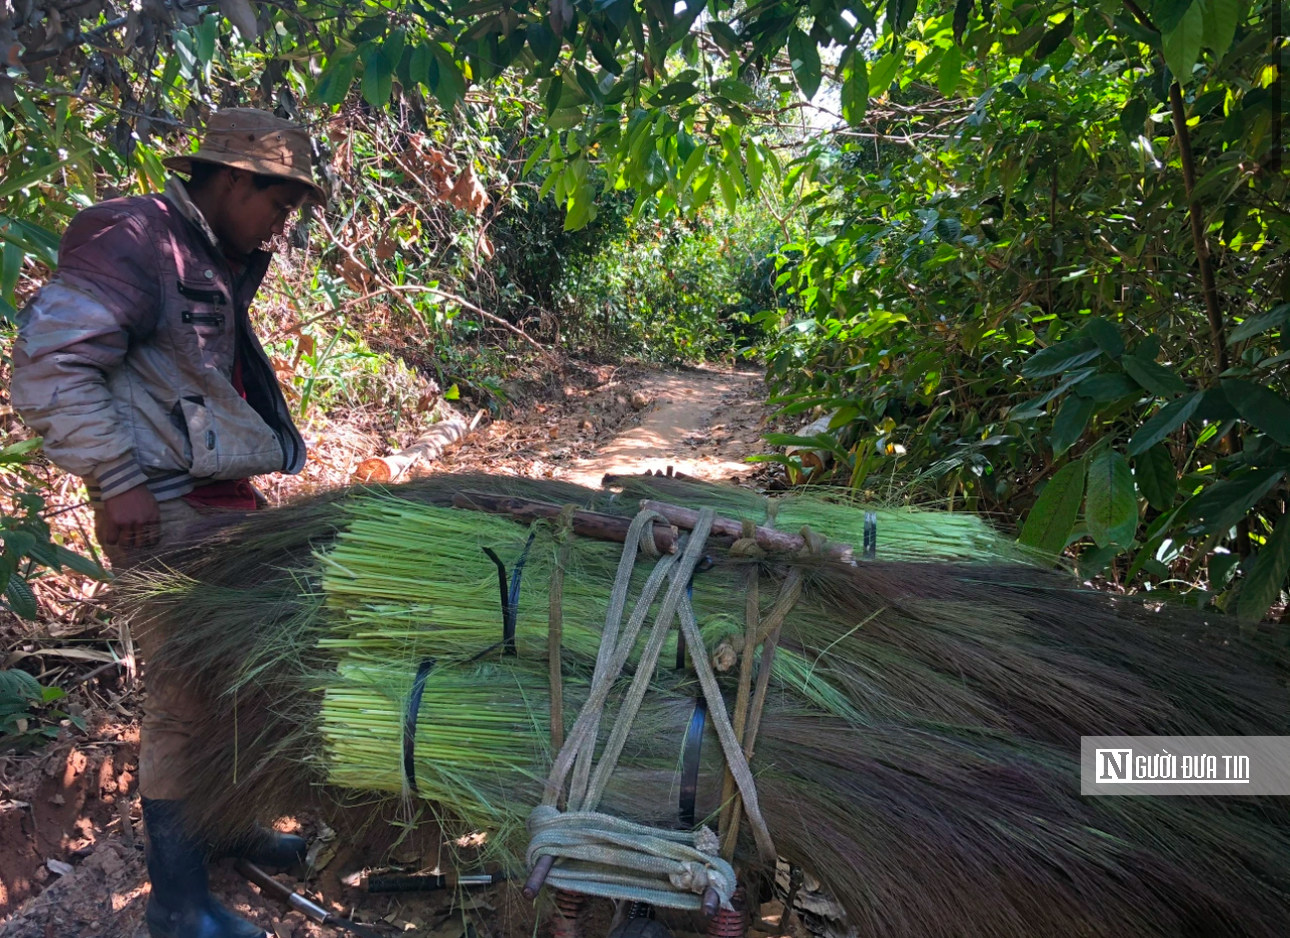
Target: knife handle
[(282, 893)]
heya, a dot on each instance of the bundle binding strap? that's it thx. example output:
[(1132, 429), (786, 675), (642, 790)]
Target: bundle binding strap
[(595, 853)]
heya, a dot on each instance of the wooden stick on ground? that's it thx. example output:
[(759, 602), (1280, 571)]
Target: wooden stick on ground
[(587, 523), (431, 445), (767, 538)]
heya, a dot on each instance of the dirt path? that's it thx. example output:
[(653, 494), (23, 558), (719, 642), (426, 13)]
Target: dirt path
[(71, 857), (701, 423)]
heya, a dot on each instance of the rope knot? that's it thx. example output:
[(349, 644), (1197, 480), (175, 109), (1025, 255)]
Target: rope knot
[(815, 543), (746, 545), (599, 854), (542, 815), (697, 877), (706, 840)]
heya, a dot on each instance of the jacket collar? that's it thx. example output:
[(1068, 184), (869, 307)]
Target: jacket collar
[(177, 194), (256, 263)]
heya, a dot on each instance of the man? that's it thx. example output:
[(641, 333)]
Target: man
[(138, 366)]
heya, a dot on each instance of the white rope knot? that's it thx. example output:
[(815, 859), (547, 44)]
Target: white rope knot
[(541, 816), (696, 878), (599, 854), (706, 840)]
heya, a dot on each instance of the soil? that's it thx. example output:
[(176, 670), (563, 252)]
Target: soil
[(71, 850)]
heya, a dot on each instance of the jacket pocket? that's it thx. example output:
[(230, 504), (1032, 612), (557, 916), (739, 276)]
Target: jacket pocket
[(157, 426), (229, 439), (201, 294), (211, 321), (205, 325)]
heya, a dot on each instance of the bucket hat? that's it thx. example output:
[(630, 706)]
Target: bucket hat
[(255, 141)]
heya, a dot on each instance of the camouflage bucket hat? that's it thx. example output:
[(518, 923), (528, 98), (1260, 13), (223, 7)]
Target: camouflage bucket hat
[(256, 141)]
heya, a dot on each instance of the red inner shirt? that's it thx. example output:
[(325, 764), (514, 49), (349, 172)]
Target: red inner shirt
[(236, 495)]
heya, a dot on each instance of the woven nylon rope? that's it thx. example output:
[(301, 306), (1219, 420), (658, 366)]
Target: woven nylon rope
[(613, 857)]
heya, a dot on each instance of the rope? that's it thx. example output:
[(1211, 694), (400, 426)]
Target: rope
[(604, 855)]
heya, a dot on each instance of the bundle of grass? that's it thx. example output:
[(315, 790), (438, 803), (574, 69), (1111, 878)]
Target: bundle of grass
[(918, 753)]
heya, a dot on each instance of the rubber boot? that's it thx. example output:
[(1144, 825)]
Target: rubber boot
[(181, 905), (268, 849)]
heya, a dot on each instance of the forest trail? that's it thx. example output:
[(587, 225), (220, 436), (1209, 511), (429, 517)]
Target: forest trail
[(701, 423)]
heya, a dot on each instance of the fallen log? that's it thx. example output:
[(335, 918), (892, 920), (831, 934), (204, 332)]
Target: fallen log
[(814, 461), (767, 538), (591, 524), (431, 445)]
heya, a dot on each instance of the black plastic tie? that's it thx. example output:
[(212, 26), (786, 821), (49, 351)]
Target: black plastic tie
[(690, 761), (410, 723), (510, 593)]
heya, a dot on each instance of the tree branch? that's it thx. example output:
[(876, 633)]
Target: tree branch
[(1208, 288)]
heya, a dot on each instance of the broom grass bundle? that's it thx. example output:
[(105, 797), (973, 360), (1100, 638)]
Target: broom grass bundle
[(417, 578), (919, 753)]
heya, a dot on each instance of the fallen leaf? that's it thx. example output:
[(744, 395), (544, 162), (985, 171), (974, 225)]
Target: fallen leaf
[(58, 866), (454, 927), (356, 275), (320, 853)]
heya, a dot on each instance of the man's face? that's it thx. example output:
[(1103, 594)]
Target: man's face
[(250, 216)]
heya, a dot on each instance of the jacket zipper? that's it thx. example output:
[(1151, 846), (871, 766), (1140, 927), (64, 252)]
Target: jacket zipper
[(199, 295), (197, 319)]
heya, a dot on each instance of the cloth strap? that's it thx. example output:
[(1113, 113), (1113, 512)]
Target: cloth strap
[(604, 855)]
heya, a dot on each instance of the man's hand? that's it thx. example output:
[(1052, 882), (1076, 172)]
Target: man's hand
[(130, 520)]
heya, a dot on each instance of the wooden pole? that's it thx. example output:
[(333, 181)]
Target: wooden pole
[(767, 538), (587, 523)]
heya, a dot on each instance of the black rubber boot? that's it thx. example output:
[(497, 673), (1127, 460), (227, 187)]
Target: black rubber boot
[(268, 849), (181, 905)]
